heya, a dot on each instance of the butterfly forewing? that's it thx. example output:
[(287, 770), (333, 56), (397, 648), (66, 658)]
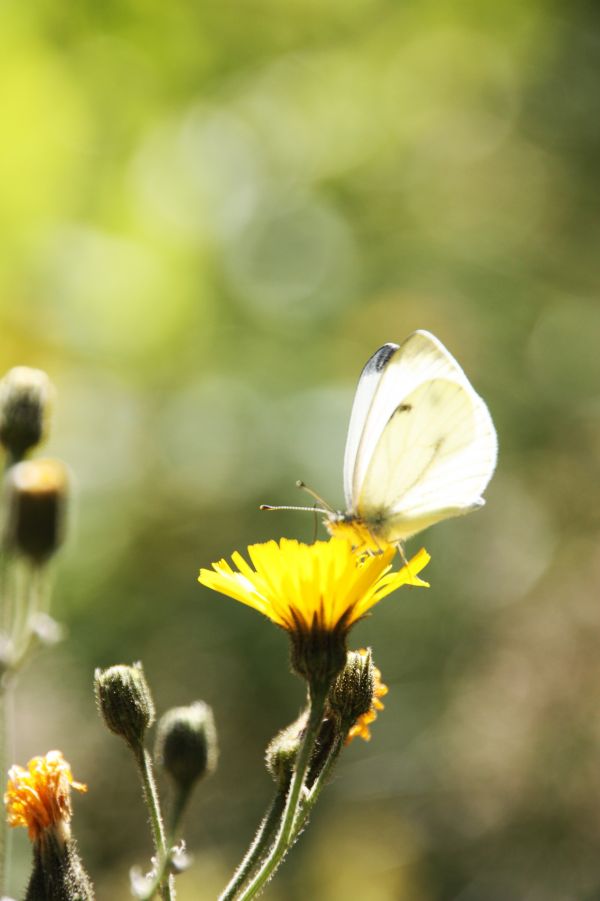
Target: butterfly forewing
[(419, 359), (367, 386)]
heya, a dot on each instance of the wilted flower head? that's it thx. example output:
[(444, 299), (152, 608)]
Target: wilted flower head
[(39, 796)]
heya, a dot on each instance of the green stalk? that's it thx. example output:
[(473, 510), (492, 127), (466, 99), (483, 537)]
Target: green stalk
[(4, 732), (317, 787), (283, 841), (166, 887), (162, 867), (263, 838)]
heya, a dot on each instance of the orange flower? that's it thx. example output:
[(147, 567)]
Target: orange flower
[(40, 796)]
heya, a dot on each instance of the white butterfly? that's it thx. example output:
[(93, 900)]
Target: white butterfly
[(421, 445)]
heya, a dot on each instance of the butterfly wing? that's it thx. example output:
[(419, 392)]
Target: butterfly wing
[(367, 386), (428, 445)]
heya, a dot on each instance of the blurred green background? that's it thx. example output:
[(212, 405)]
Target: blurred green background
[(210, 215)]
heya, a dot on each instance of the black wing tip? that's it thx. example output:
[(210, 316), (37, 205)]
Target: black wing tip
[(381, 357)]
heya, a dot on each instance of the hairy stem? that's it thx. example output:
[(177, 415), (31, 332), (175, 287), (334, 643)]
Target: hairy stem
[(166, 887), (262, 840), (283, 841)]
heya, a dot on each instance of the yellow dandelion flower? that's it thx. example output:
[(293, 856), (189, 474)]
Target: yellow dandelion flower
[(360, 729), (39, 796), (315, 592), (300, 586)]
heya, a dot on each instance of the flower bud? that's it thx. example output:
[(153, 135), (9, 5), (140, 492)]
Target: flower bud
[(124, 700), (356, 695), (281, 753), (186, 743), (351, 694), (36, 494), (282, 750), (24, 399)]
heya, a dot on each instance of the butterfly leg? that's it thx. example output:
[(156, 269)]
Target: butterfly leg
[(376, 543), (400, 548)]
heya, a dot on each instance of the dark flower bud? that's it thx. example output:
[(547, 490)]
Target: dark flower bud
[(355, 697), (125, 702), (24, 398), (186, 743), (36, 495), (351, 694)]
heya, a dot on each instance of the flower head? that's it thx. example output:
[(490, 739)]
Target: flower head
[(360, 729), (39, 796), (315, 592), (298, 586)]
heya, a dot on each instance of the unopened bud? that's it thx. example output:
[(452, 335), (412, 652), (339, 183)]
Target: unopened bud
[(351, 694), (355, 697), (36, 495), (186, 743), (24, 399), (124, 700), (282, 751)]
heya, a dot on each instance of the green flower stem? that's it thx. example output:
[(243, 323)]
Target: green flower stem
[(9, 609), (261, 842), (180, 803), (283, 840), (31, 591), (181, 800), (5, 709), (166, 888), (317, 787), (26, 588), (5, 704)]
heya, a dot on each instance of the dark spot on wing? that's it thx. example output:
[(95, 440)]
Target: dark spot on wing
[(380, 358), (401, 408)]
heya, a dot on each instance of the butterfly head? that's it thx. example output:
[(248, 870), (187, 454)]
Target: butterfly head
[(362, 535)]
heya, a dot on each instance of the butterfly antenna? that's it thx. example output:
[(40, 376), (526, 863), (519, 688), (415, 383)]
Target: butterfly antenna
[(306, 509), (317, 497)]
